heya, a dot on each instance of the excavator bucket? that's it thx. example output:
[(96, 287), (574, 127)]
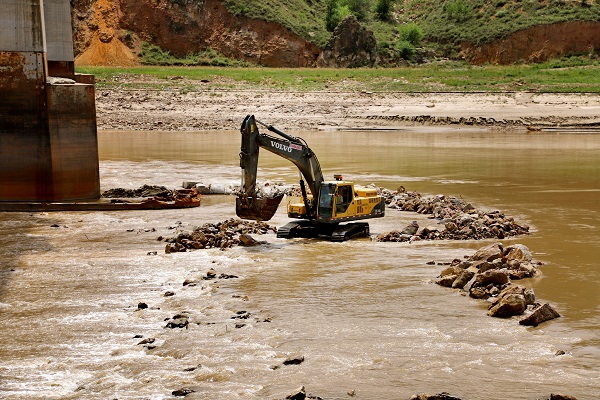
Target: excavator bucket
[(257, 209)]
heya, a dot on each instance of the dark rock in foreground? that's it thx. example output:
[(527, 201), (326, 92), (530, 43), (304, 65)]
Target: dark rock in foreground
[(439, 396), (298, 394), (182, 392), (178, 321)]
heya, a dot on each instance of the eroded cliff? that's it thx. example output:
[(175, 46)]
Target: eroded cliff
[(106, 28)]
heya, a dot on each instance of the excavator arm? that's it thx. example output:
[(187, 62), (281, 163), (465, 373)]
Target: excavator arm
[(249, 205)]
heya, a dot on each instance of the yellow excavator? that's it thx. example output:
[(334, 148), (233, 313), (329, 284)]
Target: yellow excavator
[(325, 212)]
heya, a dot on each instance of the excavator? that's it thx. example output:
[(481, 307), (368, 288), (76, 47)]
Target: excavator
[(325, 210)]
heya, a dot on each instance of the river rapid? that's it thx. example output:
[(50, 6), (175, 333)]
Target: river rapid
[(365, 316)]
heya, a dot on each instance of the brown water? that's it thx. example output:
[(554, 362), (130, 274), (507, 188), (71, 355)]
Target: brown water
[(364, 315)]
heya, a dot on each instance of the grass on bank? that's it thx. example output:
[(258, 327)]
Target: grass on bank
[(570, 75), (444, 23)]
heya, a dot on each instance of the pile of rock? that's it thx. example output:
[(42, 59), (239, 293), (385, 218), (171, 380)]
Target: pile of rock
[(143, 191), (458, 220), (488, 275), (222, 235)]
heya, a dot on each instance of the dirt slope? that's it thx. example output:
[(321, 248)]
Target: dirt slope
[(538, 43), (182, 27)]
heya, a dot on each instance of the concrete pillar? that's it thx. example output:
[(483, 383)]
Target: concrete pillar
[(48, 139), (59, 38)]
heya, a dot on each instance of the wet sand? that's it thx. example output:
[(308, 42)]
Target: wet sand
[(223, 109)]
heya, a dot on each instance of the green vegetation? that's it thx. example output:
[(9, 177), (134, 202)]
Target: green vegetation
[(153, 55), (570, 75), (448, 22), (444, 23), (303, 17)]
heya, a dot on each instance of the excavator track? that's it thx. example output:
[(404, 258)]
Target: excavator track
[(335, 233), (350, 231)]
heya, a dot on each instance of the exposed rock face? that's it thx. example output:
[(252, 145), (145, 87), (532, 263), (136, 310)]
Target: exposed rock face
[(183, 27), (351, 46), (538, 43), (97, 32)]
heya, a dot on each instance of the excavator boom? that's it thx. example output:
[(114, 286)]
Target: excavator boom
[(249, 204)]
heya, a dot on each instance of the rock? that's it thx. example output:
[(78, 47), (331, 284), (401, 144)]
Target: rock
[(529, 296), (463, 279), (247, 240), (451, 270), (143, 191), (509, 305), (451, 226), (411, 229), (142, 306), (447, 280), (178, 321), (493, 276), (510, 289), (351, 46), (210, 274), (520, 270), (221, 235), (518, 252), (298, 394), (461, 220), (538, 315), (294, 360), (555, 396), (488, 253), (439, 396), (479, 293), (182, 392)]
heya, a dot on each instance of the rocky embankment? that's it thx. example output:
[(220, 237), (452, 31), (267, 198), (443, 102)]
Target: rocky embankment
[(457, 219)]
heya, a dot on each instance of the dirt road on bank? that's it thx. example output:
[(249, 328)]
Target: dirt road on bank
[(223, 109)]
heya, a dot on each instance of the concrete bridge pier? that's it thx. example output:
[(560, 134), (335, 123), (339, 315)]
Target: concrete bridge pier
[(48, 135)]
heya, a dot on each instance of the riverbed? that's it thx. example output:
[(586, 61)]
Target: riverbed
[(365, 316)]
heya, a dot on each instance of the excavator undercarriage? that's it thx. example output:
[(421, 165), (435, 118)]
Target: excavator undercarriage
[(335, 233)]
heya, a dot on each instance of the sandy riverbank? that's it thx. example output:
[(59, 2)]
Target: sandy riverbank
[(217, 109)]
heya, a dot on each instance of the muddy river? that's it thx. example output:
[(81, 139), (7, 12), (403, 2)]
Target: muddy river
[(364, 315)]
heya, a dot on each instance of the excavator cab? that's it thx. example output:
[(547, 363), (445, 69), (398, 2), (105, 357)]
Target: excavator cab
[(336, 199)]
